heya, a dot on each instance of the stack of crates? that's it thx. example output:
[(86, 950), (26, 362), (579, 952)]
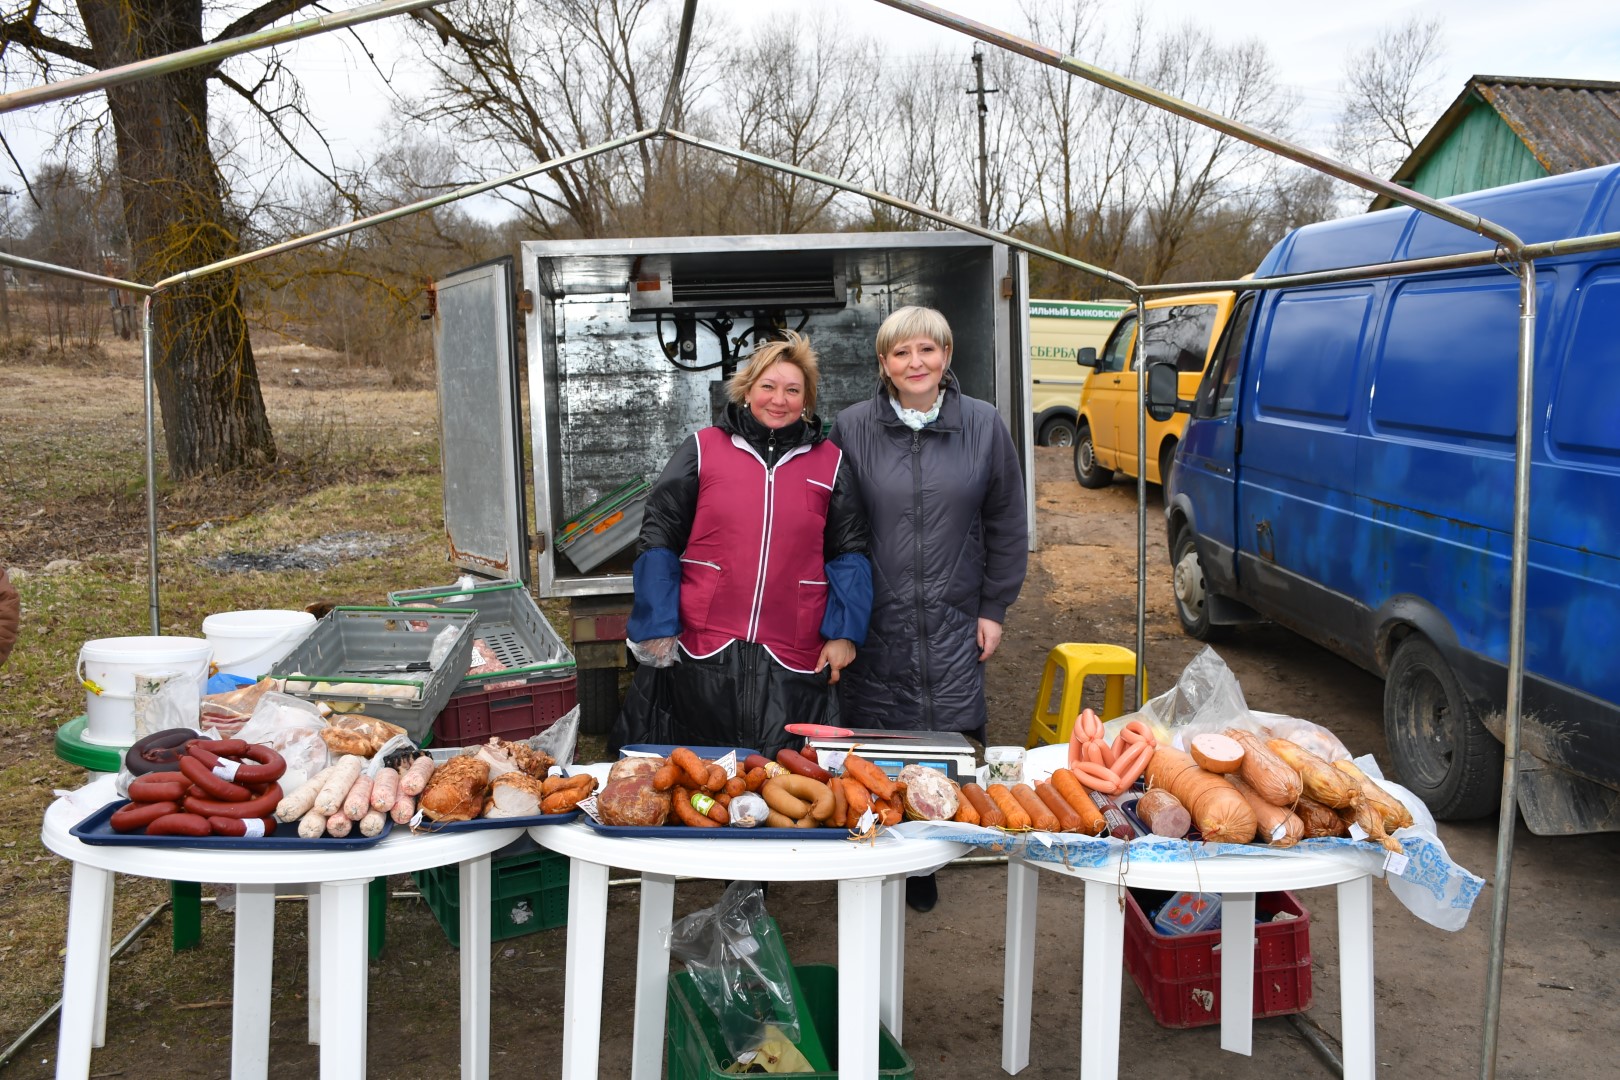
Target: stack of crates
[(528, 890), (519, 635)]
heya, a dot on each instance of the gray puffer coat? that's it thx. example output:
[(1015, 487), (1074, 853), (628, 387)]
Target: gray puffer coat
[(949, 544)]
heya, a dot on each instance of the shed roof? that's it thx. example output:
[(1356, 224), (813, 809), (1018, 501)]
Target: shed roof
[(1567, 124)]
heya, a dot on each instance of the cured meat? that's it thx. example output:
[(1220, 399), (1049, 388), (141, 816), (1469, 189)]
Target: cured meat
[(629, 798), (930, 794), (456, 791), (514, 794)]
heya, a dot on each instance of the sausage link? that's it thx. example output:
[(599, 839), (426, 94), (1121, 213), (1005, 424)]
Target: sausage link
[(1040, 817), (199, 772), (989, 815), (795, 762), (260, 806), (1015, 814), (1067, 818), (227, 826), (180, 825), (158, 787), (1074, 793), (686, 813), (138, 815)]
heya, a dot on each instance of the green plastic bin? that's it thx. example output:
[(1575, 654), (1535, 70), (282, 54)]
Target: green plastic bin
[(528, 893), (696, 1050)]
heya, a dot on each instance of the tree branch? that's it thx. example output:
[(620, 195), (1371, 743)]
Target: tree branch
[(26, 32), (262, 16)]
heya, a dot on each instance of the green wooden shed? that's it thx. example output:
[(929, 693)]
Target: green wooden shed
[(1502, 130)]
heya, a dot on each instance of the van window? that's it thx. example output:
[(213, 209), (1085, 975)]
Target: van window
[(1113, 356), (1179, 335), (1311, 348), (1588, 393), (1219, 388)]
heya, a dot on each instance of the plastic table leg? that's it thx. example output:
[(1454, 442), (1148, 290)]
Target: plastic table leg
[(185, 903), (250, 1008), (314, 989), (892, 966), (98, 1037), (587, 945), (1018, 977), (87, 945), (1356, 978), (1100, 974), (377, 915), (343, 977), (860, 932), (1237, 972), (652, 976), (475, 931)]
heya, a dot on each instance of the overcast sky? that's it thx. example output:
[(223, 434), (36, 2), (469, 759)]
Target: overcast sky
[(1307, 40)]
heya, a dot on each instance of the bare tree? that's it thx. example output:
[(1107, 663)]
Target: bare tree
[(1392, 95)]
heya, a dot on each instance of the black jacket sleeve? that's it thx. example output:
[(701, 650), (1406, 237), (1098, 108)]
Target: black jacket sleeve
[(666, 520), (847, 530)]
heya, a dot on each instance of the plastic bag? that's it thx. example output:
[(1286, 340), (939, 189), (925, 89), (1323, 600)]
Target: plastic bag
[(164, 699), (292, 728), (1306, 735), (443, 643), (740, 967), (656, 652), (559, 739)]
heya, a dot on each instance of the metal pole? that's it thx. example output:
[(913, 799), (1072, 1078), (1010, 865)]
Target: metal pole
[(1200, 115), (147, 368), (902, 204), (682, 44), (402, 211), (1141, 496), (68, 272), (204, 54), (1508, 818)]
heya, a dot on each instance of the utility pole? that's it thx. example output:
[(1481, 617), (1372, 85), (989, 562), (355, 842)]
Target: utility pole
[(984, 156)]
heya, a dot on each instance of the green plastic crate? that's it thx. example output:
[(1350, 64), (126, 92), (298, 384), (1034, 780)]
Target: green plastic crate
[(529, 892), (697, 1051)]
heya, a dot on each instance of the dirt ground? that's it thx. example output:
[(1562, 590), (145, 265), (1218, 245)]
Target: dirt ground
[(1560, 981)]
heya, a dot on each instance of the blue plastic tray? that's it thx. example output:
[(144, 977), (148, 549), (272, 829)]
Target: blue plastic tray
[(96, 829), (708, 753), (498, 822)]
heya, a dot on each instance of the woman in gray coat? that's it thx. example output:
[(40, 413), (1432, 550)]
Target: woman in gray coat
[(939, 479)]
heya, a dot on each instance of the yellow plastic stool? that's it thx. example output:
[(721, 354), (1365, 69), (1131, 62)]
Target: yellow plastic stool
[(1076, 661)]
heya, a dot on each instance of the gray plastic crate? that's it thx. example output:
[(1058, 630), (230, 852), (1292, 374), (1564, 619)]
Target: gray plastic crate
[(351, 644), (510, 623), (606, 527)]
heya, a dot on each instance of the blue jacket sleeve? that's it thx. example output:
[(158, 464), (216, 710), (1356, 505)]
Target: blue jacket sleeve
[(849, 598), (656, 609)]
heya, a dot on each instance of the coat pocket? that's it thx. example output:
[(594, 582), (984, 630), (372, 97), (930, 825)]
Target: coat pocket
[(812, 609), (817, 497), (700, 581)]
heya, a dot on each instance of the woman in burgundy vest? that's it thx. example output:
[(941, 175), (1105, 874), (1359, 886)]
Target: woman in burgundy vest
[(752, 586)]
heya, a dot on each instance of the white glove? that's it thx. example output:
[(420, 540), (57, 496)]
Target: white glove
[(657, 652)]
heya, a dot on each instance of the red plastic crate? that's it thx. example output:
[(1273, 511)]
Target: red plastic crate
[(515, 713), (1180, 975)]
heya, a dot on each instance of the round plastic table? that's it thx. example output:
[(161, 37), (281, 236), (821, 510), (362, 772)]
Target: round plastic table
[(1237, 878), (871, 922), (337, 932)]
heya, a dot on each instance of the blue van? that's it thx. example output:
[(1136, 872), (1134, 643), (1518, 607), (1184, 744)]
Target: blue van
[(1347, 472)]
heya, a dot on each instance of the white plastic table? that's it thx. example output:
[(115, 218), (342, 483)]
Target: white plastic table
[(1237, 878), (338, 963), (871, 921)]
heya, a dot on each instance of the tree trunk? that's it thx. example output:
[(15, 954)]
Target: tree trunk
[(174, 209)]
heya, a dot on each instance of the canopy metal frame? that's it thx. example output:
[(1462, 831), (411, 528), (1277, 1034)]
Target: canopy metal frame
[(1509, 252)]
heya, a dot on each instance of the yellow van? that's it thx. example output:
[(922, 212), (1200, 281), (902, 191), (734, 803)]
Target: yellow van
[(1180, 329), (1058, 330)]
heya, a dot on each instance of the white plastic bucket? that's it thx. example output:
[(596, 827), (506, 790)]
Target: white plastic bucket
[(248, 643), (110, 666)]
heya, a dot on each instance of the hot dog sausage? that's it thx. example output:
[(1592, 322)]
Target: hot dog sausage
[(138, 815), (795, 762)]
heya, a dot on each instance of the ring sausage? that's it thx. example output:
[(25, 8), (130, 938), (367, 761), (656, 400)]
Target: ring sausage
[(779, 821), (158, 787), (258, 806), (180, 825), (989, 815), (138, 815), (158, 752), (267, 765), (816, 796), (199, 773), (209, 751), (783, 801), (797, 763), (226, 826)]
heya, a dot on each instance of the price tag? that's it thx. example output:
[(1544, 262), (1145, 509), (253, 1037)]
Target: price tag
[(1395, 863), (728, 763), (1279, 832), (588, 805), (1357, 832), (226, 769), (867, 821)]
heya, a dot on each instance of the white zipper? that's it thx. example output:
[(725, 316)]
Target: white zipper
[(700, 562), (764, 552)]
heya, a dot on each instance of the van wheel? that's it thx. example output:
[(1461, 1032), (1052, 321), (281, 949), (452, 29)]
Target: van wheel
[(1441, 751), (1192, 598), (1086, 469), (1058, 431), (1167, 459)]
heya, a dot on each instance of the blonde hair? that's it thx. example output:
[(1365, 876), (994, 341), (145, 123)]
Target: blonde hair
[(795, 350), (906, 324)]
